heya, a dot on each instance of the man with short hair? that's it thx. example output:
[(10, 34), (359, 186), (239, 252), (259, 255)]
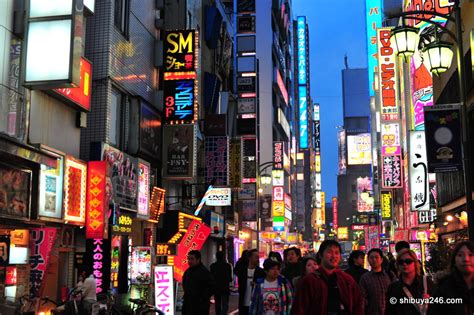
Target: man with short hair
[(328, 290), (247, 277), (222, 273), (356, 265), (292, 268), (374, 284), (198, 285)]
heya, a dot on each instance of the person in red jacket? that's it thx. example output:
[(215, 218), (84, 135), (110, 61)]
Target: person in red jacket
[(328, 290)]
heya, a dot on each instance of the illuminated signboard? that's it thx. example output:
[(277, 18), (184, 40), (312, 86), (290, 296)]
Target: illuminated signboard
[(143, 189), (335, 213), (317, 181), (301, 46), (439, 6), (418, 166), (392, 171), (217, 160), (157, 203), (365, 203), (99, 258), (277, 155), (279, 224), (75, 183), (180, 101), (165, 249), (387, 76), (386, 205), (123, 225), (42, 243), (164, 289), (316, 112), (219, 197), (303, 115), (359, 149), (194, 239), (316, 136), (342, 233), (281, 85), (278, 193), (180, 50), (51, 190), (81, 95), (317, 160), (358, 227), (318, 199), (278, 177), (96, 199), (140, 266), (390, 137), (373, 16), (179, 151), (342, 148), (278, 208)]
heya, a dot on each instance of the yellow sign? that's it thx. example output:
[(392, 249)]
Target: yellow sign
[(20, 237), (268, 235), (342, 233), (278, 208), (317, 160), (386, 205)]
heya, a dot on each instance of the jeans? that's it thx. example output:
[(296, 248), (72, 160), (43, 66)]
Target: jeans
[(222, 304)]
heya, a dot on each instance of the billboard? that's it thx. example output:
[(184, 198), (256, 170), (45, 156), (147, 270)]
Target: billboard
[(373, 18), (180, 50), (365, 203), (443, 138), (180, 97), (359, 150), (418, 167), (342, 148), (387, 76), (301, 47), (303, 116), (179, 151)]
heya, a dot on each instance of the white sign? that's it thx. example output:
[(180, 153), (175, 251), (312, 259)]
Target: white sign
[(164, 289), (219, 197), (318, 199), (419, 182), (317, 181), (278, 178), (246, 105)]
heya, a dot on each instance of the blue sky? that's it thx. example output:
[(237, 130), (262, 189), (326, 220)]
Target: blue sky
[(336, 28)]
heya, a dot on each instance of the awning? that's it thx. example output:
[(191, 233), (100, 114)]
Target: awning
[(26, 152)]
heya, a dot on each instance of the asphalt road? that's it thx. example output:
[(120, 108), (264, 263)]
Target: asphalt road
[(233, 305)]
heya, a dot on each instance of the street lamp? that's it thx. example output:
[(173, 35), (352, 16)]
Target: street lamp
[(406, 40), (265, 179), (439, 56)]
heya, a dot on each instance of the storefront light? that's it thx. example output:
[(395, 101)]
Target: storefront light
[(449, 218), (438, 57), (406, 40)]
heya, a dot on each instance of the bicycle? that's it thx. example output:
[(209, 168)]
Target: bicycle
[(70, 306), (142, 307), (26, 303), (107, 306)]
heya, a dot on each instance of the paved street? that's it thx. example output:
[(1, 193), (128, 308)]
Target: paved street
[(233, 305)]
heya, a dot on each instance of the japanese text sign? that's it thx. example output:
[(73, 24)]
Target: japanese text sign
[(41, 244), (277, 155), (391, 171), (386, 205), (75, 185), (180, 101), (96, 200), (217, 160), (179, 49), (301, 48), (164, 289), (390, 136), (373, 16), (419, 183), (388, 88)]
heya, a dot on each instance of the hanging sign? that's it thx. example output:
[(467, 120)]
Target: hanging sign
[(96, 207), (41, 244), (418, 166), (388, 88), (164, 289)]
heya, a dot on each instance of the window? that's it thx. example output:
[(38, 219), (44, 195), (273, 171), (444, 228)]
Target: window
[(122, 16), (119, 120)]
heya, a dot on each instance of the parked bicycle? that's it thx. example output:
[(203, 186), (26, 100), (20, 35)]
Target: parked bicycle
[(27, 305), (140, 306), (71, 306)]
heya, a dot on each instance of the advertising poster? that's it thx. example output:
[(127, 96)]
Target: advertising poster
[(164, 289), (194, 239), (179, 146), (140, 263), (75, 185), (122, 171), (443, 138), (359, 149), (248, 210), (42, 242), (418, 166), (14, 192), (217, 160), (51, 190), (265, 207), (150, 131), (365, 203), (422, 90)]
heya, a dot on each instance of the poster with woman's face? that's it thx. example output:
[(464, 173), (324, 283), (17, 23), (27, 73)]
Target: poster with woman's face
[(14, 191)]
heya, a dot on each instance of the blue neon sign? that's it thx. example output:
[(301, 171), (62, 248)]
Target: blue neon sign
[(303, 112), (301, 35), (373, 11)]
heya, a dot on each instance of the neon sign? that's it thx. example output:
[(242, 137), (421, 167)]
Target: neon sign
[(303, 114), (387, 76), (164, 289), (373, 15), (180, 48), (143, 190), (301, 35), (95, 218), (75, 183)]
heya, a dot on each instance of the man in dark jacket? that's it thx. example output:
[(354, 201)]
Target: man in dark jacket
[(292, 263), (222, 273), (356, 265), (247, 277), (198, 285)]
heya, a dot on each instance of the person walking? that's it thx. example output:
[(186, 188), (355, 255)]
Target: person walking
[(356, 265), (272, 295), (292, 258), (222, 273), (374, 284), (308, 265), (410, 285), (328, 290), (246, 277), (458, 284), (88, 287), (198, 285)]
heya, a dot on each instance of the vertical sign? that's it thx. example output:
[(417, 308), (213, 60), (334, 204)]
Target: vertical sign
[(373, 15), (164, 289), (143, 190), (217, 160), (390, 134), (335, 213), (301, 36), (99, 258), (75, 185), (303, 115), (95, 218), (419, 182), (392, 171), (386, 205), (41, 244), (179, 49), (277, 155), (387, 76)]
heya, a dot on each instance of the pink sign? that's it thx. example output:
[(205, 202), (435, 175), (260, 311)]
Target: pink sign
[(41, 244), (194, 239), (164, 290)]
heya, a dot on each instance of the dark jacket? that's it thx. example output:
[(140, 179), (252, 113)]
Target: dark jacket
[(222, 273), (395, 292), (356, 272), (241, 274), (198, 285), (453, 286), (291, 271), (312, 294)]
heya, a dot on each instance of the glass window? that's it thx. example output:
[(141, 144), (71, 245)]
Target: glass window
[(115, 118), (122, 15)]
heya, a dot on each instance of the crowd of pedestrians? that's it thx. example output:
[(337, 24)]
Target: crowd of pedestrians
[(316, 284)]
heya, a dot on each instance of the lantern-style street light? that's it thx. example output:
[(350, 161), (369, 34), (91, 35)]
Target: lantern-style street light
[(406, 40)]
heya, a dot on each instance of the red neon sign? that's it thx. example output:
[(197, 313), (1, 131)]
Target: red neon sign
[(81, 95), (95, 217)]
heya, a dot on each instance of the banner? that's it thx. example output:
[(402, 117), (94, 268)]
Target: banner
[(443, 138), (164, 289), (217, 160), (179, 151), (96, 200), (418, 166), (42, 242), (194, 239)]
